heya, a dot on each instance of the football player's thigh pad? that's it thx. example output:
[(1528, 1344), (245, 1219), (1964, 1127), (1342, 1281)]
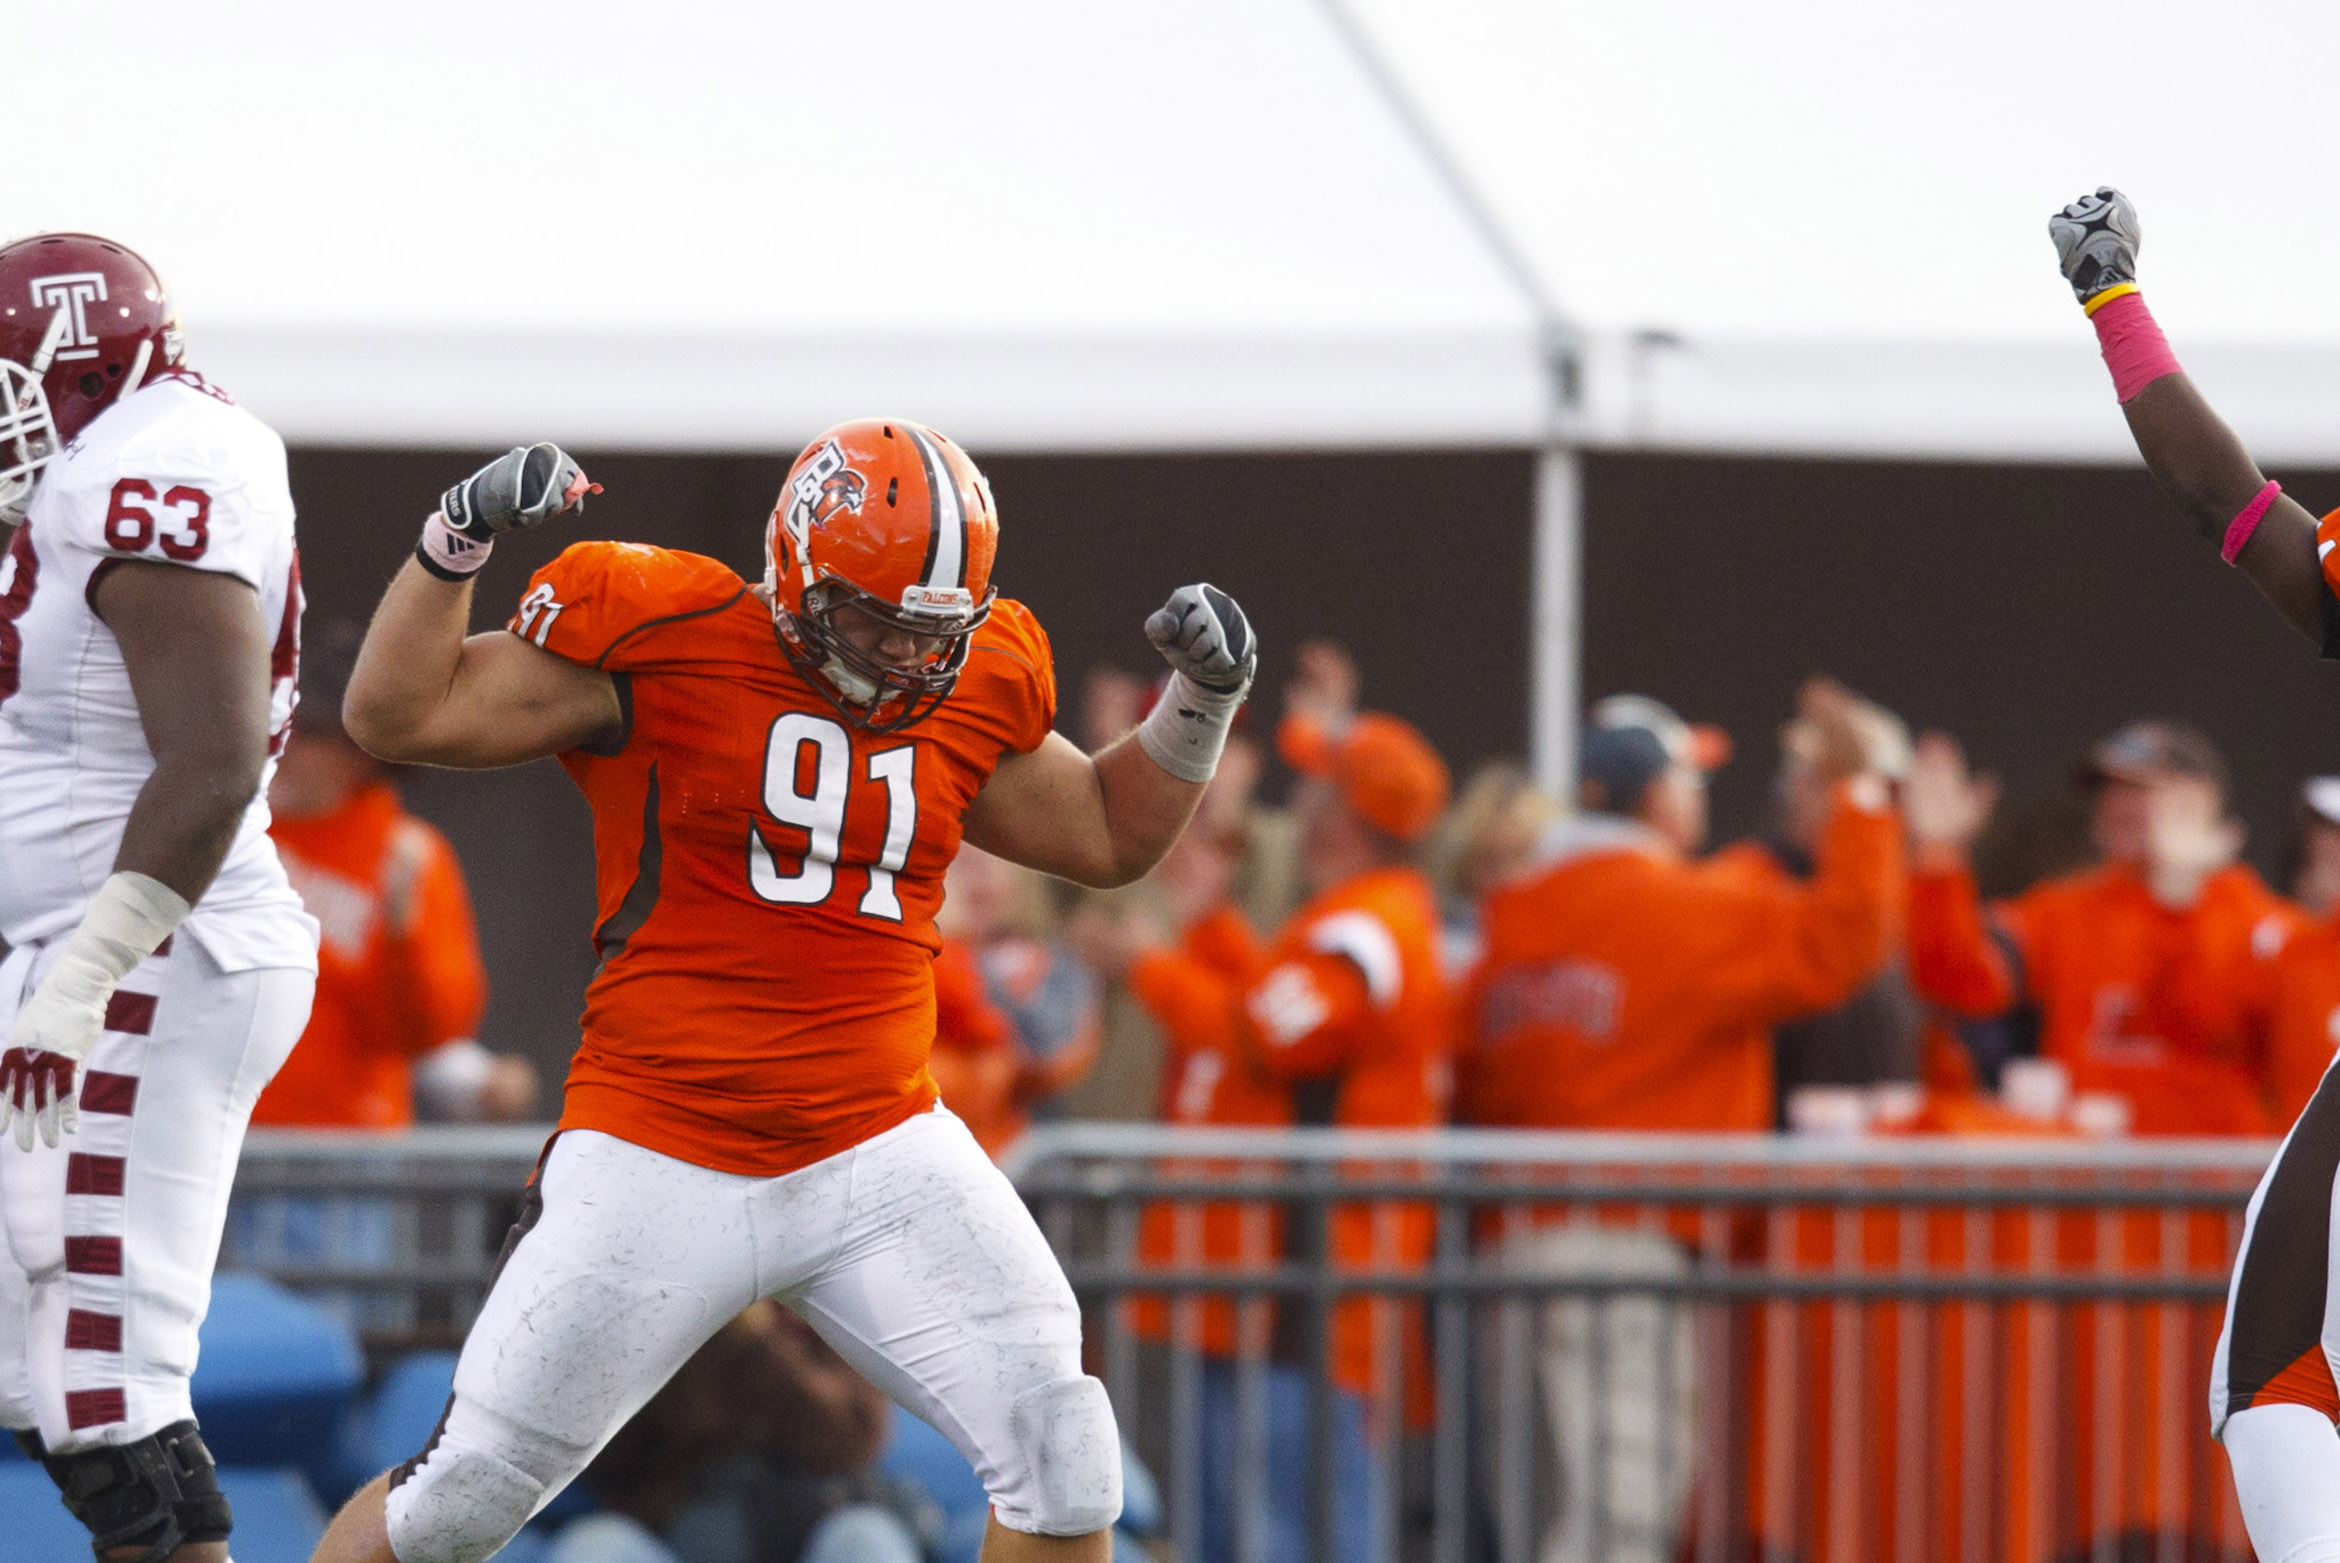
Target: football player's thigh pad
[(945, 1295), (636, 1260)]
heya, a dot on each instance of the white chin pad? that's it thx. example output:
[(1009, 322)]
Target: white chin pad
[(851, 685)]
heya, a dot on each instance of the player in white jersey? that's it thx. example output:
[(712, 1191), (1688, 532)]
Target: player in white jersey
[(159, 966)]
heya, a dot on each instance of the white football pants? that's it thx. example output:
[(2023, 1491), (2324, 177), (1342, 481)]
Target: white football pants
[(2286, 1461), (911, 1254), (105, 1274)]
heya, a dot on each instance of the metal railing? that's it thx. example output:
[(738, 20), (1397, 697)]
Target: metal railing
[(1602, 1348), (397, 1233), (1897, 1350)]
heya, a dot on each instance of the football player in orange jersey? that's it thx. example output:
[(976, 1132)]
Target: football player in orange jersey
[(779, 775), (2273, 1399)]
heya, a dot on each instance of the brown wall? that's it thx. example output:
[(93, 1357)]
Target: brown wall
[(2027, 609)]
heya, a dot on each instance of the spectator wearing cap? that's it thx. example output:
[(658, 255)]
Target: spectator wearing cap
[(1183, 960), (400, 983), (1626, 987), (2297, 1013), (1342, 1021), (2141, 971)]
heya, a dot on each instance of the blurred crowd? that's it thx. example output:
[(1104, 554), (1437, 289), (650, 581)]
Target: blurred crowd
[(1382, 949)]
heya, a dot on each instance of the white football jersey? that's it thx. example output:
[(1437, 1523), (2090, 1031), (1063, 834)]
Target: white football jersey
[(175, 473)]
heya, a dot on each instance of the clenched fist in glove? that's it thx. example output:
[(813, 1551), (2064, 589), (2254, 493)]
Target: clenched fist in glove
[(527, 485), (1201, 631), (1203, 635), (2097, 238)]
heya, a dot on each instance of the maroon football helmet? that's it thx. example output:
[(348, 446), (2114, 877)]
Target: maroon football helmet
[(83, 322)]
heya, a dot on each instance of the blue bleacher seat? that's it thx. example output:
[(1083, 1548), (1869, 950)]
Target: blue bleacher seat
[(922, 1459), (276, 1376), (404, 1407), (278, 1520), (929, 1463), (38, 1529), (395, 1423)]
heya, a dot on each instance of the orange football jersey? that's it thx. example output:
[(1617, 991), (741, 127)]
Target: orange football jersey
[(768, 873)]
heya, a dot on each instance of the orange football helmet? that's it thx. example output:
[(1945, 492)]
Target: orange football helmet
[(891, 521)]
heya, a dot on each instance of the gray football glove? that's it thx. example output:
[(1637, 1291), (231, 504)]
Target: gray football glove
[(1201, 632), (2097, 238), (526, 485)]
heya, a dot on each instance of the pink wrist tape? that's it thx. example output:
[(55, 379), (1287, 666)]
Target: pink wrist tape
[(2239, 530), (2134, 348)]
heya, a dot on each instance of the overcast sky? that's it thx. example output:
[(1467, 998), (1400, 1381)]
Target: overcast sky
[(1710, 166), (1868, 166)]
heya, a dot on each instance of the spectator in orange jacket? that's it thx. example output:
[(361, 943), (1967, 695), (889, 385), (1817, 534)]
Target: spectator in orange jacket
[(1626, 987), (2299, 1008), (975, 1060), (1185, 977), (1342, 1021), (400, 984), (2142, 970)]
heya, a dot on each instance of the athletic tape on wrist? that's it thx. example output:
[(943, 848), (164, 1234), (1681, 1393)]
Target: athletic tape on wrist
[(447, 553), (2239, 530), (128, 918), (1187, 728), (2134, 349)]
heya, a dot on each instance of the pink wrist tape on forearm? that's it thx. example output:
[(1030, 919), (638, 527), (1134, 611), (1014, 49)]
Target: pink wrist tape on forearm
[(2239, 530), (2134, 348)]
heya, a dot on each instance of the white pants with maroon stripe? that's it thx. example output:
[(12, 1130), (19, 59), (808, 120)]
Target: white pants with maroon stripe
[(110, 1237)]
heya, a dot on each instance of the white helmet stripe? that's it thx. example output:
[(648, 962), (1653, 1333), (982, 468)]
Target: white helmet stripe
[(59, 333), (946, 545)]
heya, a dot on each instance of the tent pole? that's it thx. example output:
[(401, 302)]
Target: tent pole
[(1557, 525), (1555, 618)]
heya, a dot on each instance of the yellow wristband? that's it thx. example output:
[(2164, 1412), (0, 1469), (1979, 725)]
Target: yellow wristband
[(2117, 290)]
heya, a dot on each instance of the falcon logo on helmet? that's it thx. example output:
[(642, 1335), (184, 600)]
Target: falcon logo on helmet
[(878, 560), (824, 485), (63, 363)]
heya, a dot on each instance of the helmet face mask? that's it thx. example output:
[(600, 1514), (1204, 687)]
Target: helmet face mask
[(878, 565), (869, 690), (28, 438)]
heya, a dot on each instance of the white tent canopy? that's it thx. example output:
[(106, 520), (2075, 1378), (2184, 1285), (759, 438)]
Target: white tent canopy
[(1185, 224), (1042, 224), (1061, 226)]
